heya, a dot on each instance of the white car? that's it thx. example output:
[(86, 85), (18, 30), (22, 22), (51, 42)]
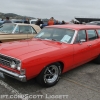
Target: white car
[(33, 21)]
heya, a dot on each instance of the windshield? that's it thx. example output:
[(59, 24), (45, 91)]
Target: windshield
[(56, 34), (7, 28)]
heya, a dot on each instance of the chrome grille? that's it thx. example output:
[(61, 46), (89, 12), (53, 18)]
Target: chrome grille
[(5, 60)]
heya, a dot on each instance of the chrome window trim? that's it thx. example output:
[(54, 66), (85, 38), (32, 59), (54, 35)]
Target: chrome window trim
[(13, 32), (72, 42)]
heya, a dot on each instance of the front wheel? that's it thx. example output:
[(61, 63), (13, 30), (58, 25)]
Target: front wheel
[(50, 75)]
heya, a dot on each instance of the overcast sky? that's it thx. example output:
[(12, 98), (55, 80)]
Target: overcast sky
[(59, 9)]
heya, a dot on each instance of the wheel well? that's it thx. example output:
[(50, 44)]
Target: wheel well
[(62, 65), (58, 62)]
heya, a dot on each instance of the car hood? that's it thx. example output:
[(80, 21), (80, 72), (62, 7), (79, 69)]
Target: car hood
[(19, 48)]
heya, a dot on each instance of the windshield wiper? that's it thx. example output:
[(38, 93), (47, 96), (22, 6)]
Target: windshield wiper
[(54, 39), (50, 39), (46, 39)]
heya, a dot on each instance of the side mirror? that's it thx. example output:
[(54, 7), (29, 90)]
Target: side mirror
[(81, 41)]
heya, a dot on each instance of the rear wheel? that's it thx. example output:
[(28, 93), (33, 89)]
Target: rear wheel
[(50, 75)]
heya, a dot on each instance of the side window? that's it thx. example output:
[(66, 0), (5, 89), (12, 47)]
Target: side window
[(98, 31), (25, 29), (92, 34), (81, 35)]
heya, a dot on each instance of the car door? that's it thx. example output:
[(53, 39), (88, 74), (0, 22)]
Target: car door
[(93, 42), (20, 32), (81, 49)]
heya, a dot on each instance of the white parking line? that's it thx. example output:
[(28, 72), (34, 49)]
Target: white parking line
[(11, 89)]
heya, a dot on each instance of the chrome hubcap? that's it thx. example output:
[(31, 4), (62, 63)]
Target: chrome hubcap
[(51, 74)]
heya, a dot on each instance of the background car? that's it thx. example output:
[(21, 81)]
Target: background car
[(17, 31), (94, 23), (17, 21), (33, 21)]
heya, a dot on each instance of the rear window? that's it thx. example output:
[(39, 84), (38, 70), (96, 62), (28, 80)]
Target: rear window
[(81, 35)]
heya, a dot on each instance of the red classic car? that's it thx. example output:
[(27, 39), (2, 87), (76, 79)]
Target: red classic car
[(54, 50)]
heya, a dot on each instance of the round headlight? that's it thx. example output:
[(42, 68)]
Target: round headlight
[(13, 65), (19, 66)]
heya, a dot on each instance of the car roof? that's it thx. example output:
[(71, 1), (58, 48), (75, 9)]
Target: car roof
[(16, 23), (33, 25), (75, 26)]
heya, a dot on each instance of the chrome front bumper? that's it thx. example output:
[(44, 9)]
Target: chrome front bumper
[(13, 75)]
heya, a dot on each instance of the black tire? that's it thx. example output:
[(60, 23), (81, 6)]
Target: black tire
[(50, 75), (97, 60)]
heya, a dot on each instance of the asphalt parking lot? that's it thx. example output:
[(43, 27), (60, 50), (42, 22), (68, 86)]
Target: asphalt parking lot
[(82, 83)]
